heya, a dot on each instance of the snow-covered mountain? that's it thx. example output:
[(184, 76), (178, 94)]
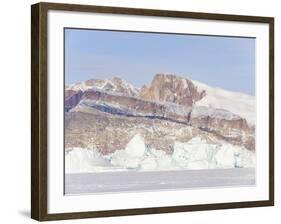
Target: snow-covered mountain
[(238, 103), (176, 90), (164, 119), (179, 90)]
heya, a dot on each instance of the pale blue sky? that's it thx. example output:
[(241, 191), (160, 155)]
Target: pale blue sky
[(226, 62)]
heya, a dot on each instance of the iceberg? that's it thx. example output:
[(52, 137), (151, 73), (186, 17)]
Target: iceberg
[(198, 154), (79, 160), (132, 155), (195, 154)]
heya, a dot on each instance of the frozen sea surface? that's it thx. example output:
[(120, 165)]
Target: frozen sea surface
[(125, 181)]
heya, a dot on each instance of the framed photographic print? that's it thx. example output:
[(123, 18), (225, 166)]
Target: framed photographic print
[(141, 111)]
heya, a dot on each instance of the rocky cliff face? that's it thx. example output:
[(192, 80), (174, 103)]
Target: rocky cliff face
[(106, 114), (171, 88), (107, 132), (72, 98), (131, 106)]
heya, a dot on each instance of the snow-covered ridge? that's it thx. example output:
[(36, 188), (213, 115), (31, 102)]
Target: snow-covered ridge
[(204, 111), (194, 154), (114, 85), (238, 103)]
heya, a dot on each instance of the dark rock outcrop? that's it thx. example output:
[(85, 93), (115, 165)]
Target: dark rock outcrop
[(72, 98)]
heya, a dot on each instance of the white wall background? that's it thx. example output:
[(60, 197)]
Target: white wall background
[(15, 111)]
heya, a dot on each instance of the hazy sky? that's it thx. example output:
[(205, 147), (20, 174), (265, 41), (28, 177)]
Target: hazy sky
[(224, 62)]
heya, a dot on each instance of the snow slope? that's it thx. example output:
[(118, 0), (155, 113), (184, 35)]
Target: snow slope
[(238, 103)]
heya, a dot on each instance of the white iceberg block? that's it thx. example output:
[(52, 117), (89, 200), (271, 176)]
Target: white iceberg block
[(132, 156), (85, 160)]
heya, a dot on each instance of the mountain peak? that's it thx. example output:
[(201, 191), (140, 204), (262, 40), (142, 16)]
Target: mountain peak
[(168, 76), (172, 88), (117, 79), (114, 85)]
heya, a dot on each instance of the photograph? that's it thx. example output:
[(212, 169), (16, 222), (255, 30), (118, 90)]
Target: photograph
[(139, 111), (147, 111)]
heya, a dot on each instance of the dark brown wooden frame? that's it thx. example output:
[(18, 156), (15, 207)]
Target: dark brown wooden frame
[(39, 110)]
